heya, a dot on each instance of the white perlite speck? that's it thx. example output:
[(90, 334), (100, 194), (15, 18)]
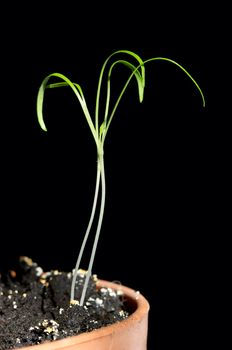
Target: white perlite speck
[(119, 292), (38, 271), (99, 301), (61, 310), (121, 313), (51, 327)]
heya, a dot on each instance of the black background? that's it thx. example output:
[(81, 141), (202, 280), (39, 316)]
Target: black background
[(155, 235)]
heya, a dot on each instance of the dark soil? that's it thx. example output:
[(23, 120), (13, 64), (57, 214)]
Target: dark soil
[(35, 306)]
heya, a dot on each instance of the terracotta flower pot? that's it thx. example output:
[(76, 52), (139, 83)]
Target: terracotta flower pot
[(129, 334)]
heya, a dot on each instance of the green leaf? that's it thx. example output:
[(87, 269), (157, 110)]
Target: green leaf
[(76, 89), (140, 76), (183, 69)]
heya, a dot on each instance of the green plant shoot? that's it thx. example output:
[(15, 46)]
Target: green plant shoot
[(99, 126)]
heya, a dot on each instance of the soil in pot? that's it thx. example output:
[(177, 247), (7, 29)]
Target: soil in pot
[(35, 306)]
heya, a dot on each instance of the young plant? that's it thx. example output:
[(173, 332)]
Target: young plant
[(99, 129)]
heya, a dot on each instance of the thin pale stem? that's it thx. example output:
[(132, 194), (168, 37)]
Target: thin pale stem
[(86, 235), (99, 225)]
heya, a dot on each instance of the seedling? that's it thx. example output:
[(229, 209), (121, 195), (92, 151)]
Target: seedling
[(99, 129)]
